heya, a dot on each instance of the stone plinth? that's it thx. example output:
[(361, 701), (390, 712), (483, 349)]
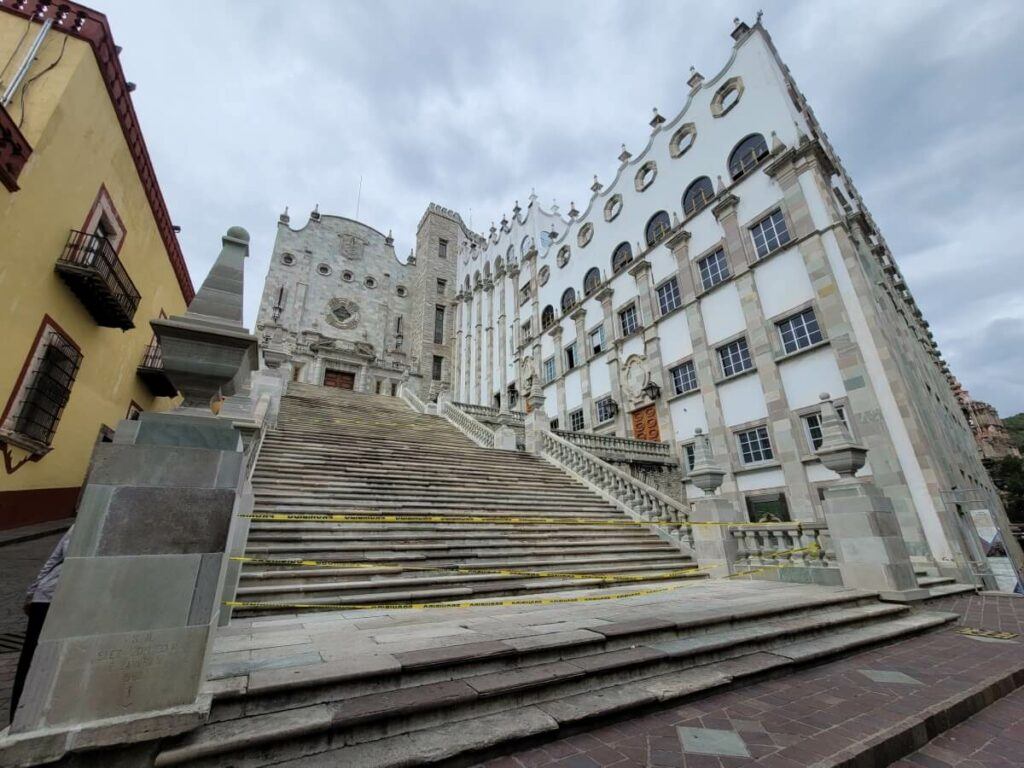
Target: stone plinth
[(713, 545), (868, 543), (122, 655)]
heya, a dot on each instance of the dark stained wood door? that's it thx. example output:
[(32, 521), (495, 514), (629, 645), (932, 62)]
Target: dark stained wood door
[(339, 379), (645, 424)]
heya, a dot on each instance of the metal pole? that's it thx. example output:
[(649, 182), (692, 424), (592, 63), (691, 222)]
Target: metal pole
[(26, 64)]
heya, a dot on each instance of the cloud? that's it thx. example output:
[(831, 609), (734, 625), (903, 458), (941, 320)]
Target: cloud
[(248, 108)]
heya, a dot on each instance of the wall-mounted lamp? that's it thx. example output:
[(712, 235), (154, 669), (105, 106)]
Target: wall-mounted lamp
[(652, 390)]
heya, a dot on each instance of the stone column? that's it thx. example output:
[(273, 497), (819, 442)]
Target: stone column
[(457, 357), (861, 522), (641, 272), (499, 276), (536, 421), (122, 657), (612, 337), (489, 358), (586, 355), (513, 273), (478, 333), (467, 366), (713, 543)]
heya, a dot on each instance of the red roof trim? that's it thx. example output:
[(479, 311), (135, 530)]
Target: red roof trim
[(14, 151), (89, 25)]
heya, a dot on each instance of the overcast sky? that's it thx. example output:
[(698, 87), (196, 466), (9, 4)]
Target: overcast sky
[(247, 108)]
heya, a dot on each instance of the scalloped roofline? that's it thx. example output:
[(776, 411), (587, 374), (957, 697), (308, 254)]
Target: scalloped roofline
[(363, 224)]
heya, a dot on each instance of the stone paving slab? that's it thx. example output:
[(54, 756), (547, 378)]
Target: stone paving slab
[(824, 714)]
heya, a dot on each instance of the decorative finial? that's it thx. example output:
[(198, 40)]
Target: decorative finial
[(777, 145), (515, 210), (838, 451), (284, 217), (597, 186), (656, 120), (721, 185), (706, 473), (624, 155), (315, 215), (696, 78)]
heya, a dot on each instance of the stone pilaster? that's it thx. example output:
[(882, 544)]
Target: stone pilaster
[(489, 358), (586, 356), (499, 276), (458, 353), (478, 332), (641, 272)]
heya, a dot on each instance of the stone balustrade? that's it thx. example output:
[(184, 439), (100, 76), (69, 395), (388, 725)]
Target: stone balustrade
[(476, 431), (620, 448), (783, 544), (486, 413), (411, 398), (647, 503)]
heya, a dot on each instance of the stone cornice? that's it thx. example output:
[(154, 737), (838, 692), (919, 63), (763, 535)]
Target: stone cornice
[(640, 268), (677, 239), (579, 314), (725, 206), (605, 295)]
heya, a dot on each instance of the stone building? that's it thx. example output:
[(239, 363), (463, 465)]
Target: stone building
[(339, 308), (727, 276), (990, 434)]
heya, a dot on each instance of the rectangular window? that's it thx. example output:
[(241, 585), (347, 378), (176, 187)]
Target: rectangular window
[(554, 424), (713, 269), (770, 233), (684, 377), (439, 324), (735, 357), (668, 296), (442, 249), (605, 410), (576, 420), (570, 356), (628, 320), (690, 457), (754, 445), (768, 508), (527, 326), (799, 331), (524, 294), (597, 340), (52, 370), (394, 388), (442, 285), (812, 426), (435, 373), (549, 370)]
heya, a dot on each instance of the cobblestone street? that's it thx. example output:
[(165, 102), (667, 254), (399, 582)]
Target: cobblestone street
[(814, 715), (19, 564)]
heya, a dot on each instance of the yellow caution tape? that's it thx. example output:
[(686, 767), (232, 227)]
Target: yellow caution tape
[(312, 517), (256, 605), (989, 633)]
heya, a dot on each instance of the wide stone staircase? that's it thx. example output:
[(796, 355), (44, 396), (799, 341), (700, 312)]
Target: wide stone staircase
[(442, 636), (383, 505)]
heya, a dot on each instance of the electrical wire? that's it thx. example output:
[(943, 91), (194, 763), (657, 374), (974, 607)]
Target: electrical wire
[(17, 48), (24, 88)]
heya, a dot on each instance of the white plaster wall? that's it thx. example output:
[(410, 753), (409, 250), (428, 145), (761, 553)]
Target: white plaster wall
[(722, 313), (573, 391), (674, 333), (634, 345), (806, 376), (762, 478), (547, 346), (568, 331), (600, 383), (551, 400), (688, 415), (742, 400), (782, 282)]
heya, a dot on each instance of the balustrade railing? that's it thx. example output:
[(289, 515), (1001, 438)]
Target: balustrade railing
[(91, 266), (411, 398), (783, 544), (483, 411), (640, 449), (479, 433), (649, 504)]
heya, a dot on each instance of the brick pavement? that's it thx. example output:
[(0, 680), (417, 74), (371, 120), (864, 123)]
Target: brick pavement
[(19, 564), (812, 716)]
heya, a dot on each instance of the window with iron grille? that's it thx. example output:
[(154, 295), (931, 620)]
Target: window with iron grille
[(576, 420), (668, 296), (435, 372), (684, 377), (49, 387), (735, 357), (442, 249), (691, 458), (799, 331), (770, 233), (605, 410), (549, 370), (812, 425), (597, 340), (713, 269), (438, 324), (570, 356), (628, 320), (754, 445)]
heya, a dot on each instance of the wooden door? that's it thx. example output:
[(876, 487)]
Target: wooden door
[(645, 424), (339, 379)]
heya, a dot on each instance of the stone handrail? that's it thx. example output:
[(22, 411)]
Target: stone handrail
[(479, 433), (661, 452), (260, 417), (647, 503), (788, 544), (411, 398), (488, 412)]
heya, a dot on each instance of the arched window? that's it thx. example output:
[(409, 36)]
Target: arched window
[(499, 264), (467, 281), (547, 317), (568, 299), (591, 280), (622, 255), (747, 154), (697, 195), (657, 227)]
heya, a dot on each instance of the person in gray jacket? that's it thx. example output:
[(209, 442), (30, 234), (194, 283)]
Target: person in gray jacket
[(37, 602)]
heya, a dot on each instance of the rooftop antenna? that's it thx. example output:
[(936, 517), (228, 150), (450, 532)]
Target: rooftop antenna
[(359, 195)]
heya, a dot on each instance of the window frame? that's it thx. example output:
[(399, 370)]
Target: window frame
[(442, 248), (572, 360), (572, 416), (634, 312), (672, 280), (601, 348), (549, 370), (745, 354), (705, 198), (439, 315), (759, 155), (692, 370), (723, 272), (764, 447), (780, 243), (655, 238), (437, 368), (617, 265), (596, 274), (802, 338), (605, 405)]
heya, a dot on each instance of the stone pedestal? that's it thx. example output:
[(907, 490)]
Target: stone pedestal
[(505, 439), (122, 655), (868, 543), (713, 545)]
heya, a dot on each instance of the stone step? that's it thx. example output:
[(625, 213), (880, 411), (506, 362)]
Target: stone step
[(934, 581), (594, 683), (430, 531)]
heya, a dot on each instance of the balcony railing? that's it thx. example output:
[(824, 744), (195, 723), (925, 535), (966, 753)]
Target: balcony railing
[(620, 448), (94, 273), (151, 371)]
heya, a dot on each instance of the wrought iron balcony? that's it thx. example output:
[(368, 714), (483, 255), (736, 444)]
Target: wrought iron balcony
[(151, 371), (94, 273)]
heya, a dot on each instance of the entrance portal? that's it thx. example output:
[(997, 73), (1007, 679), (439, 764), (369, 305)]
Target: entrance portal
[(339, 379), (645, 424)]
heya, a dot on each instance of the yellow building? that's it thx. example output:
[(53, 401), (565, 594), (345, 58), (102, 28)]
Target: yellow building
[(88, 256)]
